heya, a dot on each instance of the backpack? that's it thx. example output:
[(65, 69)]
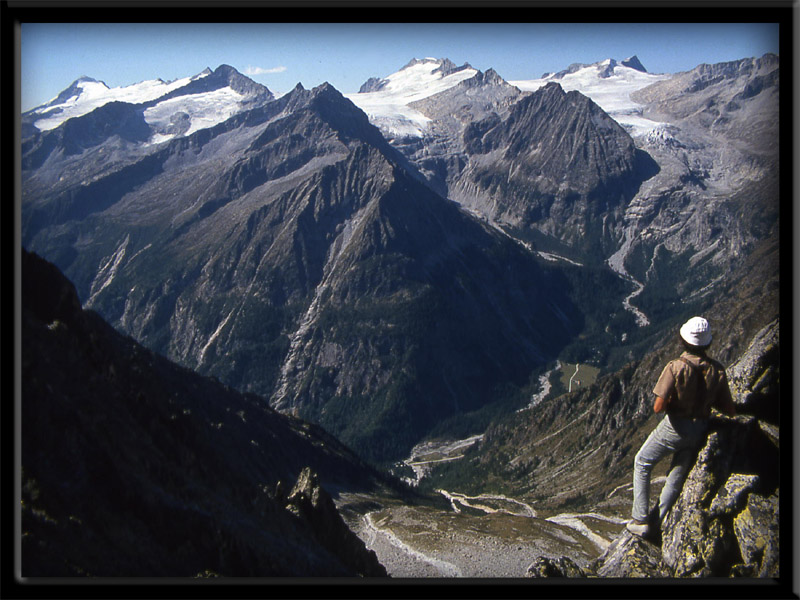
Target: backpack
[(699, 374)]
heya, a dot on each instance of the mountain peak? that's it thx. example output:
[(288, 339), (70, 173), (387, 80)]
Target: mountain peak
[(74, 90), (445, 65), (325, 89), (634, 63), (419, 61), (224, 75), (226, 71), (490, 77), (605, 68)]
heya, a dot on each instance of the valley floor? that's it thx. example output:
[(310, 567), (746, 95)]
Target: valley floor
[(482, 539), (486, 536)]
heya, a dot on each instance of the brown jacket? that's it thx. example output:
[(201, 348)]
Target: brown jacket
[(689, 397)]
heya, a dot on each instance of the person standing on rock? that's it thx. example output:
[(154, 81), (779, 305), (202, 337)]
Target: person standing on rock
[(686, 390)]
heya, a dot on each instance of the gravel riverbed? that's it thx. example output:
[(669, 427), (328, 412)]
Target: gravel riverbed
[(424, 542)]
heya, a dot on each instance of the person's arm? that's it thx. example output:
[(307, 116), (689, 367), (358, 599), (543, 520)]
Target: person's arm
[(664, 390), (725, 402)]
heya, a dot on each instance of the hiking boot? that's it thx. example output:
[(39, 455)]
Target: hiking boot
[(640, 529)]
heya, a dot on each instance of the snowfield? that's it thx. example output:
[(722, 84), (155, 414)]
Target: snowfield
[(205, 110), (94, 94), (389, 108)]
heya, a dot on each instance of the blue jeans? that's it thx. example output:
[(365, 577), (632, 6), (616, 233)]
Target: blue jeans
[(673, 435)]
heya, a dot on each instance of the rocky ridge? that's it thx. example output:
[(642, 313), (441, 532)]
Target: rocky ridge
[(500, 153), (725, 523), (133, 466)]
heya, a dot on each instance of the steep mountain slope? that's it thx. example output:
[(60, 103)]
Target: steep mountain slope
[(133, 466), (673, 209), (714, 133), (290, 251), (423, 313), (557, 164), (553, 167)]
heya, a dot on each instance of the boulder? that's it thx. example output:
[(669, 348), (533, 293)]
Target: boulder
[(554, 567), (630, 556)]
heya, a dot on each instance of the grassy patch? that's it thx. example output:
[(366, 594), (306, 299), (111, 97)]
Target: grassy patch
[(586, 375)]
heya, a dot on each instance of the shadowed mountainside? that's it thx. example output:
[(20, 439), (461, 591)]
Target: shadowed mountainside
[(133, 466)]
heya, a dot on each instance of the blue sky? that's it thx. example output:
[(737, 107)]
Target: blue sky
[(279, 55)]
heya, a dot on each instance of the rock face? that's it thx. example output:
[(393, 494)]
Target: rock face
[(133, 466), (725, 521), (754, 378), (557, 163)]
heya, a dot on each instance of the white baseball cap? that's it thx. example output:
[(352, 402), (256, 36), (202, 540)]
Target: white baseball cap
[(696, 331)]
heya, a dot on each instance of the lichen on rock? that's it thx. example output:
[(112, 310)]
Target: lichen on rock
[(562, 566)]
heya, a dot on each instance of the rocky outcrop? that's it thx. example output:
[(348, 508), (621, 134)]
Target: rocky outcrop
[(724, 524), (309, 501), (700, 536), (754, 378), (725, 521)]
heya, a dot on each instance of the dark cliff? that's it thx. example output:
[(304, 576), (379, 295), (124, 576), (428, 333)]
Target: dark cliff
[(133, 466)]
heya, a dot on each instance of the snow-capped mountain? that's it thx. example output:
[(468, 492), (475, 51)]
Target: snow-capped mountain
[(292, 252), (87, 94), (609, 84), (169, 109), (707, 133), (387, 101)]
